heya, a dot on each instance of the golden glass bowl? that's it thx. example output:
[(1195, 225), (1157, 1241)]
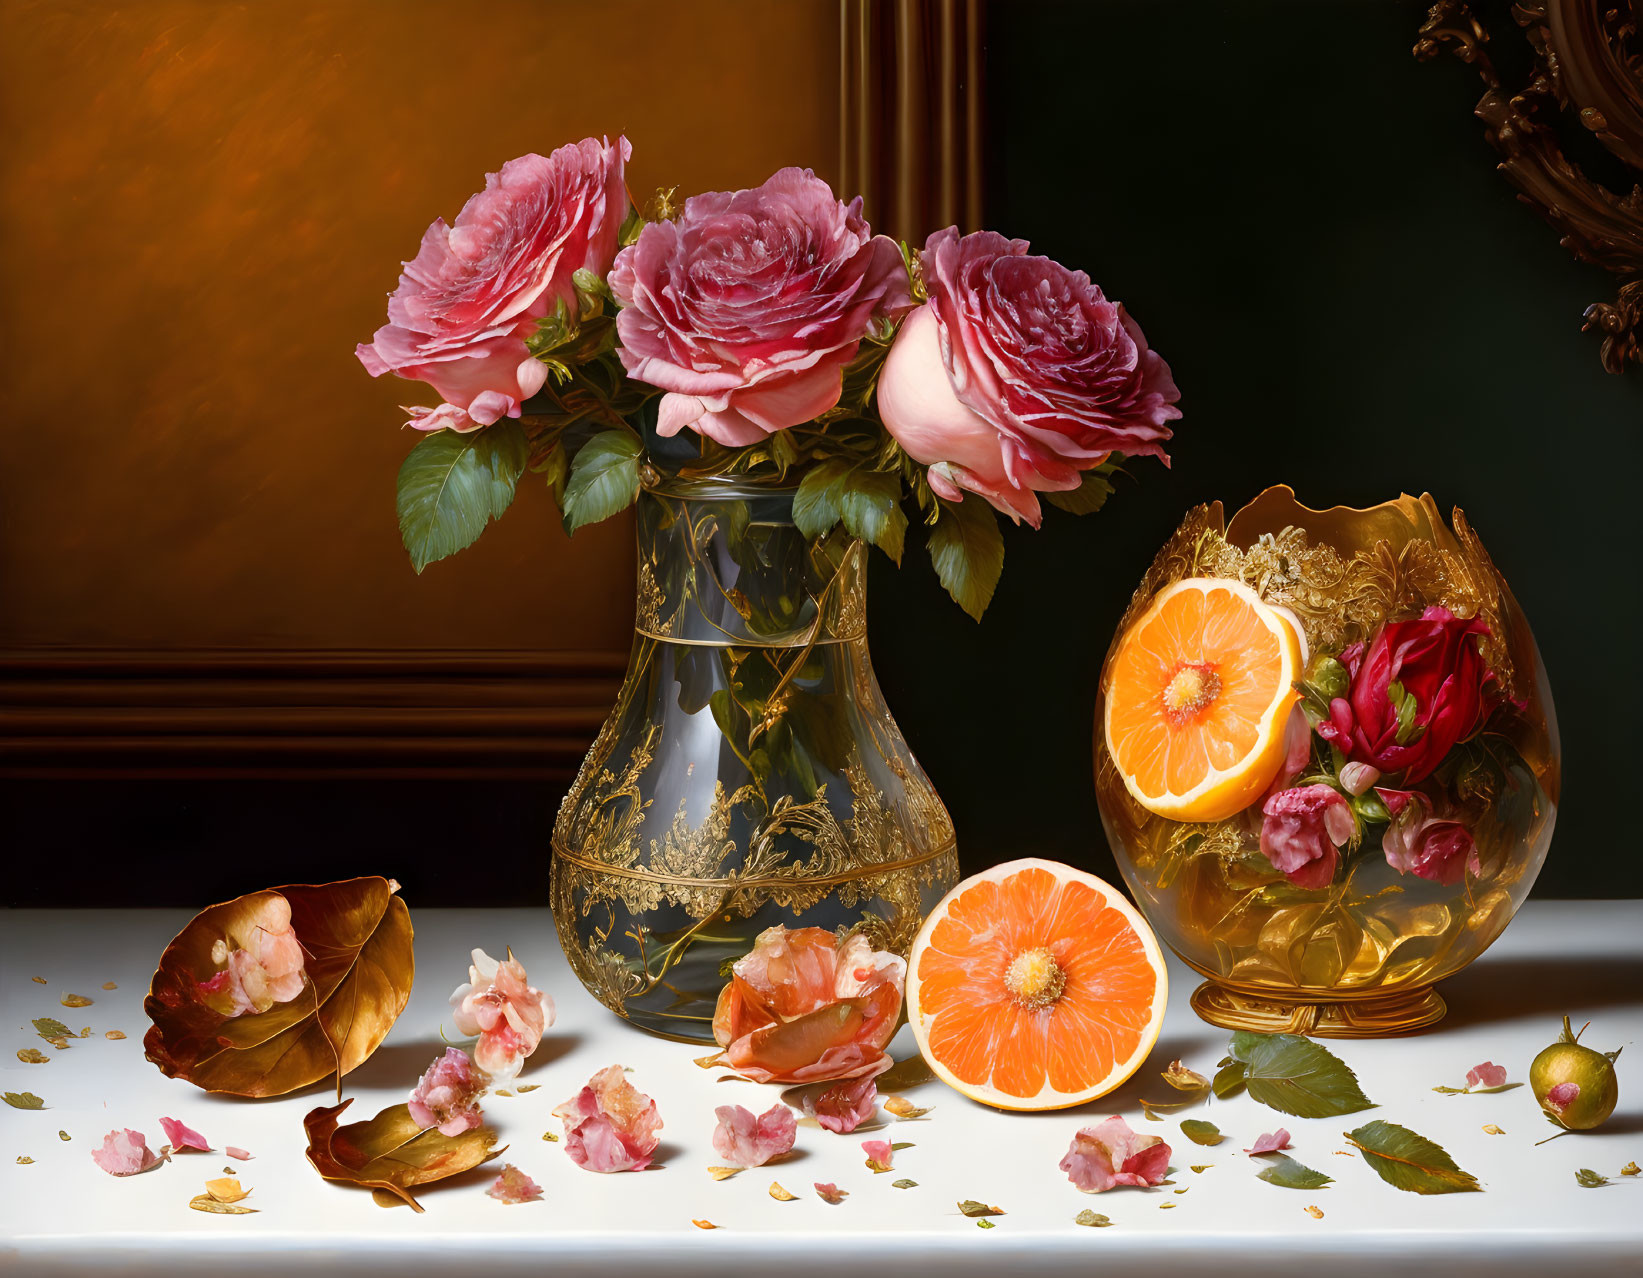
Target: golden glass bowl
[(1359, 957)]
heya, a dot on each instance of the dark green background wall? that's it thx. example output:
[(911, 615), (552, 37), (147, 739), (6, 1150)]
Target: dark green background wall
[(1309, 226)]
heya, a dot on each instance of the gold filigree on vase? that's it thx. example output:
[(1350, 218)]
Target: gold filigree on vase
[(1430, 856), (750, 773)]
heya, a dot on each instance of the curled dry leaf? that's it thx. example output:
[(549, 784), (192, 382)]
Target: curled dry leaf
[(38, 980), (903, 1108), (75, 1000), (356, 941), (32, 1056), (114, 1034), (391, 1152), (1317, 1213), (781, 1195), (226, 1189), (723, 1173), (62, 1135), (1092, 1218), (1200, 1168), (1631, 1169), (1490, 1129), (970, 1207), (24, 1158), (1183, 1079), (110, 985), (904, 1183), (205, 1202), (704, 1224)]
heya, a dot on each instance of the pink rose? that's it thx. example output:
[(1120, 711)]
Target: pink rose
[(507, 1013), (1018, 375), (1428, 847), (266, 970), (844, 1106), (610, 1125), (475, 291), (748, 307), (743, 1140), (1302, 832), (1110, 1154), (1433, 662), (804, 1006), (125, 1153), (447, 1096)]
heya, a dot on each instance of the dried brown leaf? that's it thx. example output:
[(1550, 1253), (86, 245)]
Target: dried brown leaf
[(382, 1198), (205, 1202), (390, 1152), (38, 980), (24, 1158), (49, 1028), (110, 985), (723, 1173), (226, 1189), (1317, 1213), (1094, 1219), (1202, 1167), (114, 1034), (356, 939), (32, 1056), (710, 1062), (526, 1087), (554, 1136), (75, 1000), (781, 1195), (901, 1107), (1490, 1129), (970, 1207), (62, 1135), (1167, 1206), (704, 1224), (1631, 1169), (502, 1091), (1183, 1079)]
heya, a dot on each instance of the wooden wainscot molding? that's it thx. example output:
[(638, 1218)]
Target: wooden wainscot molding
[(1586, 72)]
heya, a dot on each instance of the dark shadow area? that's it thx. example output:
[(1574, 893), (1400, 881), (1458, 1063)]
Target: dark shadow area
[(1528, 989)]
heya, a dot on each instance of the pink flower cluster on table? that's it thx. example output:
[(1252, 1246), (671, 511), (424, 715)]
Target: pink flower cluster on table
[(1110, 1154), (1487, 1074), (745, 1140), (805, 1006), (1018, 375), (125, 1152), (610, 1125), (845, 1106), (514, 1187), (263, 972), (747, 308), (475, 291), (447, 1096), (509, 1015)]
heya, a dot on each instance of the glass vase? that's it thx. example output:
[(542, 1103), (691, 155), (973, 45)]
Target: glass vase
[(750, 773), (1358, 956)]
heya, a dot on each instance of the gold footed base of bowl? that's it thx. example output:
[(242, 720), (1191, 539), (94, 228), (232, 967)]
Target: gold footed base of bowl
[(1376, 1016)]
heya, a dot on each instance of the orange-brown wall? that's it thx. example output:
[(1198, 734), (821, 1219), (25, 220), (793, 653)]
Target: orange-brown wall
[(204, 207)]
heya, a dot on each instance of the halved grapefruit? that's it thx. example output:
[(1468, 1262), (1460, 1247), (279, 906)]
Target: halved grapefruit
[(1035, 986), (1198, 693)]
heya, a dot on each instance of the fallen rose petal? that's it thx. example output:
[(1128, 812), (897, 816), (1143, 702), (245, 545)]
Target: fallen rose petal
[(225, 1189), (748, 1141), (610, 1125), (903, 1108), (831, 1193), (234, 1151), (879, 1154), (845, 1106), (1487, 1074), (182, 1136), (1110, 1154), (514, 1186), (1270, 1142), (125, 1153)]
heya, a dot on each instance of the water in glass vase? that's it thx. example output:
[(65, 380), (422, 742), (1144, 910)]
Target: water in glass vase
[(750, 774)]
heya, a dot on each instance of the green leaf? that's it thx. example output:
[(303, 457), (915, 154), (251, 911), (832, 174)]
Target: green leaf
[(1288, 1173), (604, 479), (817, 506), (904, 1183), (451, 485), (1087, 498), (1201, 1133), (1409, 1161), (1586, 1178), (870, 504), (1092, 1218), (24, 1100), (48, 1028), (1296, 1076), (968, 552), (1229, 1079), (970, 1207)]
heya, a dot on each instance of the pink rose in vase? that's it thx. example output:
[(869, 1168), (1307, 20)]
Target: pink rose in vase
[(1416, 842), (475, 291), (1303, 830), (1018, 375), (748, 307)]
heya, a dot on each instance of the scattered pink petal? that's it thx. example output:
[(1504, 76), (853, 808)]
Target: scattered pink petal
[(447, 1097), (845, 1106), (1110, 1154), (879, 1154), (505, 1010), (125, 1153), (260, 969), (513, 1186), (184, 1137), (1487, 1074), (1270, 1142), (234, 1151), (745, 1141), (610, 1125), (830, 1192), (1562, 1096)]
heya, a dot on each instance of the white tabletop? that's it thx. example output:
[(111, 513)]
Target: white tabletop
[(62, 1215)]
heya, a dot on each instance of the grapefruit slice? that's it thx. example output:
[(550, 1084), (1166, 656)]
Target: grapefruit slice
[(1198, 693), (1035, 986)]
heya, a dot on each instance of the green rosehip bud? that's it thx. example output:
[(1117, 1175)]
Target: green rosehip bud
[(1328, 676), (1575, 1085)]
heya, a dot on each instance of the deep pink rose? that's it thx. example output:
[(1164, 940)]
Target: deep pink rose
[(1018, 375), (447, 1095), (1302, 832), (475, 291), (1435, 659), (1110, 1154), (1428, 847), (748, 307), (610, 1125)]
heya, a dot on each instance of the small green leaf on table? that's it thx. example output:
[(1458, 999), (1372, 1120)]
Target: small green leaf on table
[(24, 1100), (1296, 1076), (1286, 1172), (1200, 1132), (48, 1029), (1407, 1160), (1092, 1218), (1586, 1178), (970, 1207)]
